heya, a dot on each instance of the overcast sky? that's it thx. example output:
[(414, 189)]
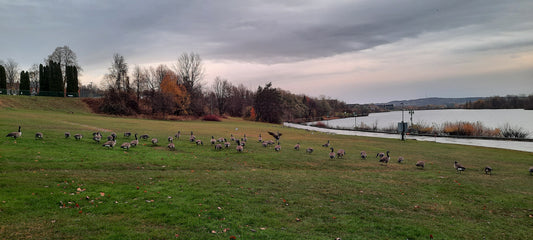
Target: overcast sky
[(354, 51)]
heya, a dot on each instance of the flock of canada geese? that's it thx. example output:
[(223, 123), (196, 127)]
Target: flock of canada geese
[(220, 143)]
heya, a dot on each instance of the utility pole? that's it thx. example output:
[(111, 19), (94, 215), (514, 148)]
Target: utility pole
[(403, 125)]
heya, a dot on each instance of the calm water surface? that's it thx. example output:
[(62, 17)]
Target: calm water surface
[(516, 118)]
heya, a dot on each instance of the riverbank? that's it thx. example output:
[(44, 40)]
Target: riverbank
[(525, 146)]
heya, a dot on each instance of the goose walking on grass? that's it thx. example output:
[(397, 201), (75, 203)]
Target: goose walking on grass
[(97, 138), (309, 150), (326, 144), (420, 164), (78, 136), (39, 135), (177, 136), (400, 159), (239, 147), (170, 139), (385, 159), (363, 155), (15, 135), (145, 136), (110, 144), (126, 146), (332, 153), (171, 146), (154, 141), (218, 146), (213, 140), (340, 153), (459, 167), (226, 143), (488, 170), (277, 147), (135, 142), (127, 134), (297, 146)]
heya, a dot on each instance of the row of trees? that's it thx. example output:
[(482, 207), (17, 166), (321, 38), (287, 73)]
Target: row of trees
[(57, 77), (179, 90), (507, 102)]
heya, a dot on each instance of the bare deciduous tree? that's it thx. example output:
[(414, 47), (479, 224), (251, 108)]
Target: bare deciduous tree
[(117, 77), (222, 91), (190, 70), (12, 73)]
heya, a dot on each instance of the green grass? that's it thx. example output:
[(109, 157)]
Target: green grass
[(59, 188)]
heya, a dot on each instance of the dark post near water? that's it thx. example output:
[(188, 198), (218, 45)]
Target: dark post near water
[(411, 112), (403, 126)]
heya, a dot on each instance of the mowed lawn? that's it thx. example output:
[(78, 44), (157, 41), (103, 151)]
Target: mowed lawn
[(58, 188)]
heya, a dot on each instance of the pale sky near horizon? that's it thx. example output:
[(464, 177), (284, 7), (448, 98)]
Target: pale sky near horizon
[(360, 51)]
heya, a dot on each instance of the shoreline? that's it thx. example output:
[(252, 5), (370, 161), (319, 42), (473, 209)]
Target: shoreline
[(525, 146)]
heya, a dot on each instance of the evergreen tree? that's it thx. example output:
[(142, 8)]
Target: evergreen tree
[(44, 86), (55, 79), (3, 80), (267, 104), (24, 86), (72, 80)]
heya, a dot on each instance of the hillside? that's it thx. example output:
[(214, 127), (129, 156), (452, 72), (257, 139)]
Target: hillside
[(434, 101), (59, 104)]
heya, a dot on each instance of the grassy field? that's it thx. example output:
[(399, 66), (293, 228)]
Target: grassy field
[(58, 188)]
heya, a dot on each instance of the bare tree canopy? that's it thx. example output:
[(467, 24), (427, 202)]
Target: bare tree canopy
[(117, 77), (191, 71), (222, 91), (12, 73), (65, 57)]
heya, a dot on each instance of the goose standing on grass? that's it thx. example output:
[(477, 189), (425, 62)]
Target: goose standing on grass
[(265, 144), (154, 141), (110, 144), (226, 143), (15, 135), (232, 138), (309, 150), (177, 136), (67, 134), (385, 159), (171, 146), (239, 147), (135, 142), (126, 146), (420, 164), (363, 155), (530, 170), (218, 146), (192, 138), (97, 137), (488, 170), (340, 153), (277, 147), (114, 135), (145, 136), (127, 134), (244, 138), (400, 159), (39, 135), (213, 140), (170, 139), (78, 136), (199, 142), (332, 153), (297, 146), (380, 155), (458, 167), (326, 144), (260, 139)]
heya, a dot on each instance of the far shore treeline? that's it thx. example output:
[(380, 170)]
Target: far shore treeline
[(179, 91)]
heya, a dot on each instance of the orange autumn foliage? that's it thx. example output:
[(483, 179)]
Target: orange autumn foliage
[(181, 99)]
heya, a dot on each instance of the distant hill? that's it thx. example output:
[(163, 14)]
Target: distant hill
[(434, 101)]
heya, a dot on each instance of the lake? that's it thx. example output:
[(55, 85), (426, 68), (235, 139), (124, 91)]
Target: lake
[(491, 118)]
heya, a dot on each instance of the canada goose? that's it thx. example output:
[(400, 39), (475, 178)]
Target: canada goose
[(400, 159), (265, 144), (170, 139), (340, 153), (221, 140), (420, 164), (385, 159), (243, 143), (15, 135), (125, 146), (78, 136), (530, 170), (218, 146), (154, 141), (192, 138), (110, 144), (297, 146), (309, 150), (67, 134), (135, 142), (213, 140), (488, 170), (332, 154), (199, 142), (239, 147), (110, 137), (145, 136), (244, 138), (177, 136), (275, 135), (380, 155), (277, 147), (171, 147), (114, 135), (363, 155), (226, 143), (260, 139), (458, 167), (326, 144), (127, 134), (39, 135), (232, 138), (97, 138)]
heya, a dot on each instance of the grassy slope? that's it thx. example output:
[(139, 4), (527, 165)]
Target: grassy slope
[(149, 192)]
